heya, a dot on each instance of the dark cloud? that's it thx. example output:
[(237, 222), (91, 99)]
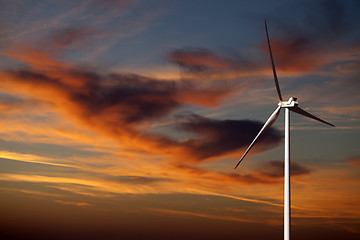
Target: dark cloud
[(313, 41), (198, 60), (33, 78), (218, 137), (250, 179), (275, 169), (201, 60), (131, 98), (69, 35)]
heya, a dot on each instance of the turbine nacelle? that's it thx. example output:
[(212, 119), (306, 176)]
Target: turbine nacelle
[(289, 103)]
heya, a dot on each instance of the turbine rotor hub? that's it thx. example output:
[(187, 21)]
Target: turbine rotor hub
[(289, 103)]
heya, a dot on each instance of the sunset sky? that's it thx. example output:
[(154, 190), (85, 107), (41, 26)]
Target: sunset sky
[(125, 119)]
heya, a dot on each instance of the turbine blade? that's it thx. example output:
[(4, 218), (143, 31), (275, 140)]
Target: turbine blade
[(304, 113), (273, 65), (267, 125)]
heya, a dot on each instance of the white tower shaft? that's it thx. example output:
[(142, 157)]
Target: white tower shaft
[(287, 203), (292, 105)]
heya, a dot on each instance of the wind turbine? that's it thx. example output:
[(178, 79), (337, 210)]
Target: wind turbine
[(291, 105)]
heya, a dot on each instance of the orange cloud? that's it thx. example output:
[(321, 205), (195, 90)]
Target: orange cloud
[(118, 105), (33, 57), (296, 55)]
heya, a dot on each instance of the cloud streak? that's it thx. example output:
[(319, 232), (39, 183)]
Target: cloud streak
[(202, 215), (275, 169)]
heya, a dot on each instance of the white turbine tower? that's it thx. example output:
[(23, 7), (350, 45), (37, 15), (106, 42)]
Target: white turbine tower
[(291, 105)]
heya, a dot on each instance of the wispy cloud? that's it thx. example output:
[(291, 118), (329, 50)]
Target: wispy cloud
[(202, 215), (100, 185), (79, 204)]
